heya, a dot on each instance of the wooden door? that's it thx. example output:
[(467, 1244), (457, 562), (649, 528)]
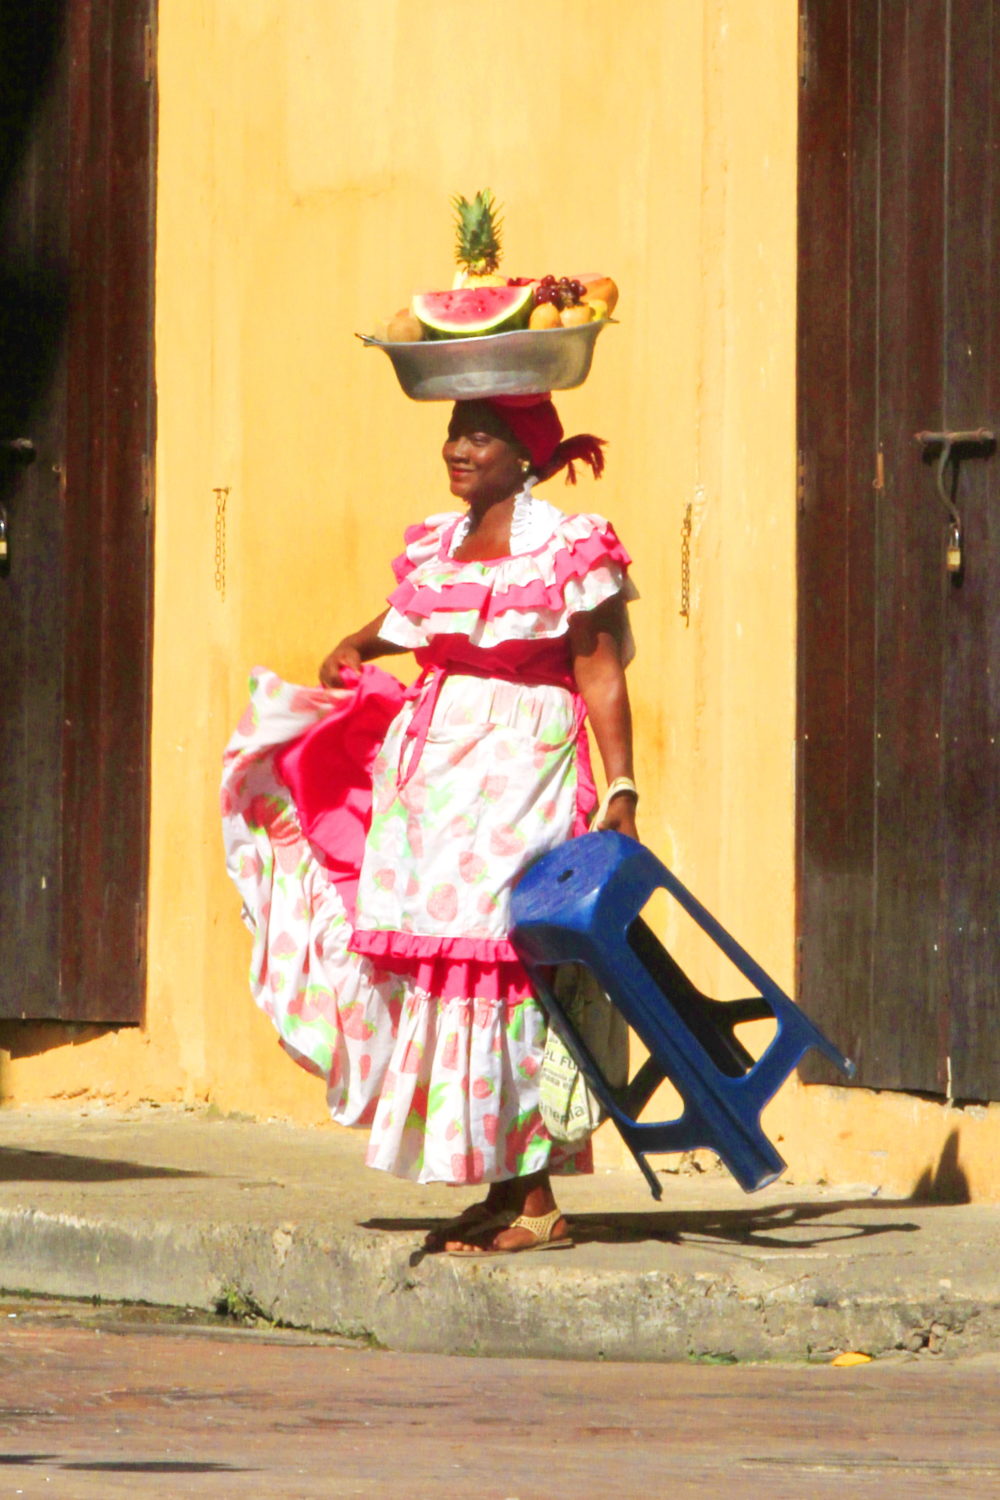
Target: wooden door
[(899, 659), (76, 396)]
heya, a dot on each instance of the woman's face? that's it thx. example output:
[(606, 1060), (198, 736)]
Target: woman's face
[(483, 462)]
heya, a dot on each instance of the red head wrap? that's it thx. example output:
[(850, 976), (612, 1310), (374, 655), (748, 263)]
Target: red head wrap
[(534, 422)]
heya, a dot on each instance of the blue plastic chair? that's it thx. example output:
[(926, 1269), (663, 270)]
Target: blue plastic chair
[(582, 904)]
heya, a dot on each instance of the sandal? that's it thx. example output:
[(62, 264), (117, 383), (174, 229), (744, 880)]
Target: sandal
[(477, 1218), (541, 1227)]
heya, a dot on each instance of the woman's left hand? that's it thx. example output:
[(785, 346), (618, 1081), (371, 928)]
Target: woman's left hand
[(620, 816)]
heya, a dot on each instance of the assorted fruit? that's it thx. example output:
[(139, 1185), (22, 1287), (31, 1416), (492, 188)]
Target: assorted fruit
[(482, 301)]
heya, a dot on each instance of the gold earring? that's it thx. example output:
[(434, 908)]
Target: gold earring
[(525, 465)]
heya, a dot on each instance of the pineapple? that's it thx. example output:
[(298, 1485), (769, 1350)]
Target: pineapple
[(477, 246)]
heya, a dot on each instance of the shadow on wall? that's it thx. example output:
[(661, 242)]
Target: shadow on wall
[(947, 1182), (34, 1038)]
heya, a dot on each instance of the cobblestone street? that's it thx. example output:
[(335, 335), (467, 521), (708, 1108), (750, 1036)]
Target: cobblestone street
[(93, 1406)]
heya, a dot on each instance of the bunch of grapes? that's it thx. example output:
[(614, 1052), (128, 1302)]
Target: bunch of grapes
[(564, 293)]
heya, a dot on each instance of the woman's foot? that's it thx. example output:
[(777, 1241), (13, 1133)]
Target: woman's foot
[(525, 1198), (495, 1211)]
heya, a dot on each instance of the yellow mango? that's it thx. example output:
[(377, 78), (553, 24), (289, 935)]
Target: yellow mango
[(573, 317), (545, 315)]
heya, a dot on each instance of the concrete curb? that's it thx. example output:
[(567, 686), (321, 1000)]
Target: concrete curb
[(370, 1284)]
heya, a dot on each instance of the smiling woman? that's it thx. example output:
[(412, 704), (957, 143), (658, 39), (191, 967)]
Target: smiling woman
[(392, 973), (485, 469)]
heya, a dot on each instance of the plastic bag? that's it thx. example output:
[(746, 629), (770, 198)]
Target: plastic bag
[(569, 1108)]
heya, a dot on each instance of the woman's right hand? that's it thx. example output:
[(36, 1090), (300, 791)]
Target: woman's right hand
[(353, 650), (342, 658)]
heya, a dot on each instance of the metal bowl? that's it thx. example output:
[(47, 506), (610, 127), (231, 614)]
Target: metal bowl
[(524, 363)]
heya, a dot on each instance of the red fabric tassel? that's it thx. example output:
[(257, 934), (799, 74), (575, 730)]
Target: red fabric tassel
[(583, 448)]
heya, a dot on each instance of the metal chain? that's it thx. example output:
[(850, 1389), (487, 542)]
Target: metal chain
[(685, 610), (221, 496)]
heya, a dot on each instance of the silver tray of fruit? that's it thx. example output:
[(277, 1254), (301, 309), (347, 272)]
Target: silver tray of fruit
[(525, 362)]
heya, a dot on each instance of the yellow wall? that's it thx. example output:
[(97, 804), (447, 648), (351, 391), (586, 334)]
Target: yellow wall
[(307, 152)]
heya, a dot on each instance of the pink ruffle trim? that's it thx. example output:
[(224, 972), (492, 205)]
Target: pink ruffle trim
[(413, 536), (447, 968), (383, 943), (491, 598)]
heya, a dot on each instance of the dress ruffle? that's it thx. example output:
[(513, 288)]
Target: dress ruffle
[(530, 596), (424, 541), (440, 973), (382, 944), (335, 1013)]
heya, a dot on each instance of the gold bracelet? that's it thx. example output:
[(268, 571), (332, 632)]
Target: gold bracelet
[(620, 784)]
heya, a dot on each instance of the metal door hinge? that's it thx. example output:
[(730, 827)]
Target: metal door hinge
[(800, 481), (148, 55), (803, 45)]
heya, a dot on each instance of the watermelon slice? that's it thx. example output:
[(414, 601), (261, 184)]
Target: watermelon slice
[(470, 311)]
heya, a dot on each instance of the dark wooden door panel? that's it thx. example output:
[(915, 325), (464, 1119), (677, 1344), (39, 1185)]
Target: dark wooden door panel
[(971, 737), (110, 441), (898, 826), (76, 326), (33, 312), (908, 229), (837, 194)]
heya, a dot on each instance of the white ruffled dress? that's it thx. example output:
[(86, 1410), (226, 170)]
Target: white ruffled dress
[(384, 959)]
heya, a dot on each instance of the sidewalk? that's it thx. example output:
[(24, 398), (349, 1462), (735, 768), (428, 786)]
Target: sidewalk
[(178, 1207)]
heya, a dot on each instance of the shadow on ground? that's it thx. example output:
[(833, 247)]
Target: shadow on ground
[(120, 1466), (788, 1226), (58, 1166)]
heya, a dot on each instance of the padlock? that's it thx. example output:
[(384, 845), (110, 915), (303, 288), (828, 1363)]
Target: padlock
[(953, 551)]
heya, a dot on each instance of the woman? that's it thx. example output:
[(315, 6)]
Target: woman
[(414, 1005)]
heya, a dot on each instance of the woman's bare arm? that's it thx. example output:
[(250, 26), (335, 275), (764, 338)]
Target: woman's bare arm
[(595, 640), (364, 645)]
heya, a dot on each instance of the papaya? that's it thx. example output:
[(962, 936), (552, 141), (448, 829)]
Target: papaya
[(601, 289)]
